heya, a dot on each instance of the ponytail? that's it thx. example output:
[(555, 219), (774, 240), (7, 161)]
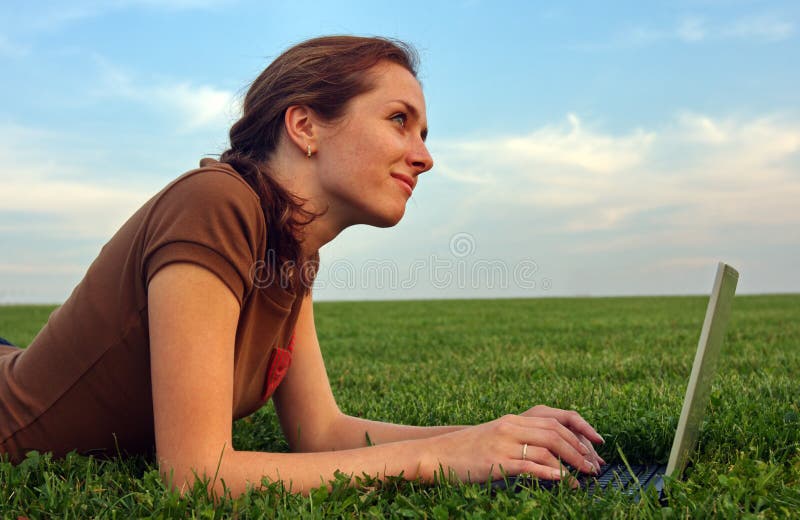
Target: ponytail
[(284, 216)]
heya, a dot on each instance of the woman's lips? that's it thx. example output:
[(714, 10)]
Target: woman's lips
[(405, 181)]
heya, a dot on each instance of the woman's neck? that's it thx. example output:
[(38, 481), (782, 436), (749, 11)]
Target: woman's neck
[(297, 176)]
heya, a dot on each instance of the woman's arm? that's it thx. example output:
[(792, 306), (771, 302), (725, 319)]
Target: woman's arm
[(311, 420), (309, 415), (193, 318)]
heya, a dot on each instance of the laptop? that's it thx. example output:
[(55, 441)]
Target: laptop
[(638, 478)]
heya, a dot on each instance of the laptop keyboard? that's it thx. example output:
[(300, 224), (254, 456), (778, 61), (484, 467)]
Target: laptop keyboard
[(618, 477), (610, 477)]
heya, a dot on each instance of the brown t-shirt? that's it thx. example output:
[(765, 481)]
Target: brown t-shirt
[(84, 382)]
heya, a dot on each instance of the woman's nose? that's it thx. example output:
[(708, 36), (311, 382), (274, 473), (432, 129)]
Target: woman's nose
[(420, 158)]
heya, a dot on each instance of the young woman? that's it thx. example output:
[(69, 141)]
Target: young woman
[(199, 308)]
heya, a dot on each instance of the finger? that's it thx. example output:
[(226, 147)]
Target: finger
[(591, 449), (544, 457), (548, 432), (546, 472), (574, 421), (552, 423), (562, 443), (569, 418)]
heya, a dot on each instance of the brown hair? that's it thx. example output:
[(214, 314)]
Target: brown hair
[(323, 74)]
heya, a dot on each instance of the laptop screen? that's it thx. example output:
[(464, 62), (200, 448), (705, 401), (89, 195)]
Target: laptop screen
[(704, 367)]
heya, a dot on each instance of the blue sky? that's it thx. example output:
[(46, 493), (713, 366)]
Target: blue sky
[(581, 148)]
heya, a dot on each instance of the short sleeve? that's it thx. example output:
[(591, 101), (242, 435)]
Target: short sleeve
[(211, 218)]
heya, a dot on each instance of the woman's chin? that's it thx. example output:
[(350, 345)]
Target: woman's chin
[(387, 219)]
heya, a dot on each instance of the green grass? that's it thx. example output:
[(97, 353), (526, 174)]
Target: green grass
[(622, 362)]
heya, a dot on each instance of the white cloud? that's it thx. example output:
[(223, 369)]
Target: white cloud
[(195, 106), (199, 106), (681, 183), (77, 208), (691, 30), (696, 29), (763, 27), (702, 129), (54, 194), (557, 167), (572, 146)]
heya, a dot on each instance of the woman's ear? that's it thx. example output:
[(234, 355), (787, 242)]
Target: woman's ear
[(301, 129)]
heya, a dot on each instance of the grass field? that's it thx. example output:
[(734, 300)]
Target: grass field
[(622, 362)]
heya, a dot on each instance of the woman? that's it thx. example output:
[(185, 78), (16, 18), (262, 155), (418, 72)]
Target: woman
[(199, 308)]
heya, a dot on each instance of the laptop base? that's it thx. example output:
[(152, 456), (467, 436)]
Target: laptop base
[(611, 477)]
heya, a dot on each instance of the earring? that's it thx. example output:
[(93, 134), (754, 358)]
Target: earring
[(308, 150)]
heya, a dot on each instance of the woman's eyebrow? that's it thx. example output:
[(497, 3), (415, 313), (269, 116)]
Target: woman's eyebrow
[(414, 113)]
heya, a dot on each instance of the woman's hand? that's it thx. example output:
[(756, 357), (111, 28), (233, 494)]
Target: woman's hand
[(511, 445), (577, 424)]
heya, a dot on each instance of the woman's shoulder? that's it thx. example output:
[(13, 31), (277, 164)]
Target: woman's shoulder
[(213, 195), (212, 180), (208, 216)]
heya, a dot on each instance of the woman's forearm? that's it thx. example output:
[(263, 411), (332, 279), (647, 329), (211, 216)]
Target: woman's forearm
[(354, 432), (344, 432), (396, 450), (301, 472)]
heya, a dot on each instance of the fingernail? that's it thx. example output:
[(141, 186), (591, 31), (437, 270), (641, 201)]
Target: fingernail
[(601, 438), (591, 464), (583, 449)]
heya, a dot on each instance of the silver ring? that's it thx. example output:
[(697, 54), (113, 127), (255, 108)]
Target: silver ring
[(524, 452)]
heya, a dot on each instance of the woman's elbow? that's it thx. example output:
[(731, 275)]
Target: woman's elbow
[(326, 436), (185, 476)]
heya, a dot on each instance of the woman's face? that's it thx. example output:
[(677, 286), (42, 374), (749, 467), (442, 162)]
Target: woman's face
[(369, 161)]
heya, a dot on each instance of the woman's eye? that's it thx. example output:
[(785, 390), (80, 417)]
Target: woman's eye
[(401, 118)]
